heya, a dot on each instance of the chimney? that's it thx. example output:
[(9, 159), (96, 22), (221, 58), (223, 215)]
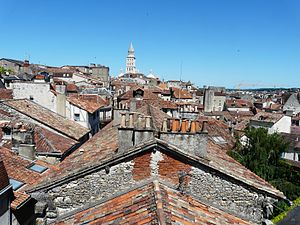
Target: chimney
[(61, 99), (192, 141), (23, 141), (138, 130)]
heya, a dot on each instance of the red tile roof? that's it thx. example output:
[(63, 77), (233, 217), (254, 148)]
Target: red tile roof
[(148, 94), (238, 103), (181, 94), (152, 203), (6, 93), (157, 115), (89, 103), (17, 168), (48, 141), (48, 118), (104, 144)]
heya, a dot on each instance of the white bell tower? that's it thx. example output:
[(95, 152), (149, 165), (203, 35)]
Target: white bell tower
[(130, 60)]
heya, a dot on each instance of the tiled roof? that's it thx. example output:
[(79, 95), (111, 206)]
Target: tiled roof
[(148, 94), (157, 115), (152, 203), (238, 103), (268, 117), (17, 168), (6, 93), (20, 198), (216, 153), (48, 141), (181, 94), (48, 118), (71, 87), (89, 103), (103, 146)]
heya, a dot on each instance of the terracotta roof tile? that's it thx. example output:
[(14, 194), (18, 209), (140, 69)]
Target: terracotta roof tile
[(238, 103), (89, 103), (48, 141), (17, 168), (104, 144), (153, 203), (268, 117), (181, 94), (6, 93), (101, 146), (157, 115), (49, 118)]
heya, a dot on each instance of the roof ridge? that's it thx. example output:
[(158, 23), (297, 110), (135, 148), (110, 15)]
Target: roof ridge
[(159, 202)]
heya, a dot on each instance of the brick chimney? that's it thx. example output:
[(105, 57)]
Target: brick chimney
[(134, 129), (186, 135)]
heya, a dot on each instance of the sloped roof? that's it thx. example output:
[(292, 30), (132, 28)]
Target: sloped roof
[(89, 103), (48, 118), (157, 115), (6, 93), (103, 146), (48, 141), (17, 168), (151, 203), (238, 103), (268, 117), (148, 94), (181, 94)]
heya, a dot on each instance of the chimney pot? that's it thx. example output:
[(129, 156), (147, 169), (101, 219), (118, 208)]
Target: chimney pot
[(193, 127), (204, 126), (148, 122), (165, 125), (175, 125), (183, 126), (131, 120), (123, 119)]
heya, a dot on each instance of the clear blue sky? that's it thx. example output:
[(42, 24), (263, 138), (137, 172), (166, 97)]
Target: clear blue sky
[(224, 42)]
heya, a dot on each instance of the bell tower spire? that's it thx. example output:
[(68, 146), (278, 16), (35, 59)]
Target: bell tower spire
[(130, 60)]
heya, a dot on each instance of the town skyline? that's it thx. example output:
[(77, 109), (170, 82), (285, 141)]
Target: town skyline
[(250, 43)]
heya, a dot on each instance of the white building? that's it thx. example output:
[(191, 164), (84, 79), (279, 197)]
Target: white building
[(130, 60)]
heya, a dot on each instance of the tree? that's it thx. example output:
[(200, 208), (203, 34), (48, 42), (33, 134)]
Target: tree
[(4, 71), (262, 153)]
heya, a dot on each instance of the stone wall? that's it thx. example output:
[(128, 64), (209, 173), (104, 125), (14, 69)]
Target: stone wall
[(205, 185)]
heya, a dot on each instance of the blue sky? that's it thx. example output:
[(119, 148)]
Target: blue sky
[(224, 42)]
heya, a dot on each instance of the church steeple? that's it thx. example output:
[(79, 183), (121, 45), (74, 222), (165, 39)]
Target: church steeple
[(130, 60)]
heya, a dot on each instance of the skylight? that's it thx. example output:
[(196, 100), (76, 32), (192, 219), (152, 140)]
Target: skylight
[(15, 184), (219, 140), (37, 168)]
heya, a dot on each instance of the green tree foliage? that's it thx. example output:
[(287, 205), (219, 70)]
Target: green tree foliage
[(262, 155), (4, 71)]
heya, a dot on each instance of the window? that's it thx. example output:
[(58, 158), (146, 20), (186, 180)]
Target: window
[(15, 184), (37, 168), (76, 116), (219, 140)]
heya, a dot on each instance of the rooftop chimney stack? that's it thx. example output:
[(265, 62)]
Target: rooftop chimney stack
[(186, 136), (138, 130), (23, 140)]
